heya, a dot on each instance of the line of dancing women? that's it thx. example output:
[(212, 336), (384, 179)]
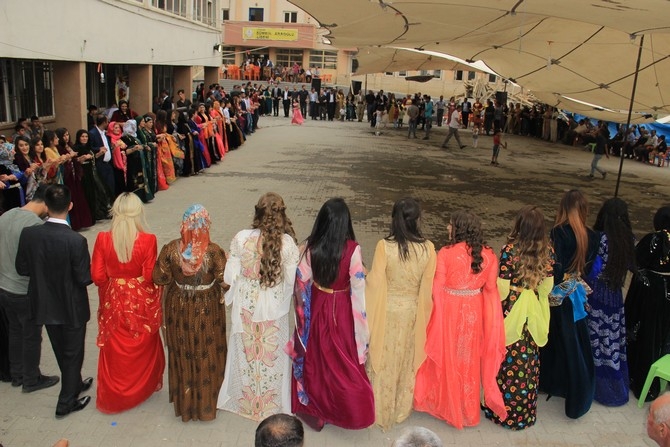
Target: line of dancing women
[(456, 334)]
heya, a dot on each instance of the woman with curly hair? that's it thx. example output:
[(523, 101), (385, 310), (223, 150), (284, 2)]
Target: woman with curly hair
[(567, 360), (524, 283), (465, 338), (261, 273), (607, 325)]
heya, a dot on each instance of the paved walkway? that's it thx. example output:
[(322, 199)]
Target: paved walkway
[(307, 165)]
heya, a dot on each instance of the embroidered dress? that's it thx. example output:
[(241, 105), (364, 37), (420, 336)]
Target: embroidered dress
[(257, 380), (607, 326), (526, 315), (329, 345)]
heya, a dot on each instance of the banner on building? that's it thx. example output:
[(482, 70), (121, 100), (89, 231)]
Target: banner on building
[(249, 33)]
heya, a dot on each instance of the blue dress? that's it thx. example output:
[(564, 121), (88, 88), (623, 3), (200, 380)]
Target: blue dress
[(607, 328)]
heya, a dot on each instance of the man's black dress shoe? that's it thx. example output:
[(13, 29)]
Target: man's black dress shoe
[(42, 382), (86, 384), (79, 404)]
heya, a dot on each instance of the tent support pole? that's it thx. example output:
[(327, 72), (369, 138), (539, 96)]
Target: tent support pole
[(630, 112)]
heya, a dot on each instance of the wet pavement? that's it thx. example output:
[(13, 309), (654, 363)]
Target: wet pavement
[(307, 165)]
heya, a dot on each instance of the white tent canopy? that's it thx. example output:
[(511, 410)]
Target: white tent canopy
[(575, 49)]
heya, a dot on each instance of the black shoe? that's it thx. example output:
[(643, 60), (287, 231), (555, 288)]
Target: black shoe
[(17, 382), (79, 404), (463, 146), (86, 384), (42, 382)]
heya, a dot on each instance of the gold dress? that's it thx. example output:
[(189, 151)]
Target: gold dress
[(195, 330), (398, 305)]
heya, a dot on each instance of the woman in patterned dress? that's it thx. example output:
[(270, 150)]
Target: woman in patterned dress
[(524, 283), (261, 273), (191, 269)]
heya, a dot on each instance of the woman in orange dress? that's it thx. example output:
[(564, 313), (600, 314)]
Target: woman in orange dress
[(216, 113), (164, 152), (465, 339), (131, 362)]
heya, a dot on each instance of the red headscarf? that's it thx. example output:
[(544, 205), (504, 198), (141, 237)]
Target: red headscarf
[(194, 239)]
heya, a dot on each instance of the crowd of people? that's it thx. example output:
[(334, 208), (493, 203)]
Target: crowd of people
[(122, 151), (420, 331)]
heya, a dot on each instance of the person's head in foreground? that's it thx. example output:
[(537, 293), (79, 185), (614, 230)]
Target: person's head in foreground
[(658, 420), (280, 430), (417, 437)]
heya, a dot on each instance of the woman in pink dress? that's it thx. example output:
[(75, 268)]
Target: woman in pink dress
[(329, 346), (465, 339), (297, 114)]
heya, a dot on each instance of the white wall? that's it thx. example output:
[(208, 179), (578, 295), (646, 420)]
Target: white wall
[(108, 31)]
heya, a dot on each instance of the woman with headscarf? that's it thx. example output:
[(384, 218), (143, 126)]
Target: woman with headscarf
[(118, 148), (191, 269), (80, 214), (647, 306), (147, 136), (95, 191), (123, 113), (131, 361), (10, 180), (135, 163)]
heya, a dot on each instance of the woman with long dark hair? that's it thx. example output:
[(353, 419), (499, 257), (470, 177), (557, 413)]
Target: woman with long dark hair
[(567, 359), (329, 347), (465, 338), (261, 273), (524, 283), (95, 191), (398, 303), (607, 324), (80, 214), (647, 305)]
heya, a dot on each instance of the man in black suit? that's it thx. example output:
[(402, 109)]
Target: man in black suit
[(286, 101), (102, 151), (57, 261), (277, 94)]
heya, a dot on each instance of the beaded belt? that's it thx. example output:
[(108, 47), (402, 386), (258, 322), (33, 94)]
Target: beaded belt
[(463, 292), (197, 288)]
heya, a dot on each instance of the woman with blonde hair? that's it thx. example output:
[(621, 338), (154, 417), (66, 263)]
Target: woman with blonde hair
[(524, 283), (191, 269), (131, 362), (465, 338), (261, 273), (398, 303), (567, 360)]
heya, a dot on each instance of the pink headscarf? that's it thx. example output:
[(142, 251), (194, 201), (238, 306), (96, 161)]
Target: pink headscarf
[(194, 239)]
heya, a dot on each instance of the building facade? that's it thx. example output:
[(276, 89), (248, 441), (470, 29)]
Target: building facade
[(59, 56)]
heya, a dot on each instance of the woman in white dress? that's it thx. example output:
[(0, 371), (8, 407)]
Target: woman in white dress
[(261, 273)]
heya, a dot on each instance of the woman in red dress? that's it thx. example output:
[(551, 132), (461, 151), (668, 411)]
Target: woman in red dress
[(131, 362)]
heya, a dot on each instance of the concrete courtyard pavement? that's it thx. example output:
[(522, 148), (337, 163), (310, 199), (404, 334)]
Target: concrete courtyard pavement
[(308, 165)]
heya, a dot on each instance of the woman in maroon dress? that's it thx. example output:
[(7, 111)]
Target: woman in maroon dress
[(131, 362), (329, 347), (73, 174)]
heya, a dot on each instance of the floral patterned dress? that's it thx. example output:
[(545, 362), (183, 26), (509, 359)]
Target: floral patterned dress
[(526, 315), (257, 380)]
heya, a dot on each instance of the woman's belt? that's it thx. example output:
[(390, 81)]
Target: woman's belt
[(327, 290), (463, 292), (196, 288)]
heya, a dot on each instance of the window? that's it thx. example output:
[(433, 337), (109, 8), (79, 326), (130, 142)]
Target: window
[(204, 11), (402, 74), (492, 78), (458, 75), (323, 58), (255, 14), (287, 57), (26, 88), (172, 6), (423, 73), (388, 73), (437, 74), (471, 75), (290, 17), (225, 14)]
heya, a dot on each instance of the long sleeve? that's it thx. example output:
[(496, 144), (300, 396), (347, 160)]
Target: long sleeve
[(357, 281), (219, 261), (81, 264), (162, 273), (425, 306), (233, 268), (375, 301), (98, 270), (150, 257), (494, 350)]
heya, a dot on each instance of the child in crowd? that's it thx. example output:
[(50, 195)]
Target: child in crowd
[(475, 135), (497, 142)]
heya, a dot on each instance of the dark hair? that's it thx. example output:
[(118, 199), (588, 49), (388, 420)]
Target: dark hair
[(47, 137), (467, 227), (57, 198), (405, 225), (181, 90), (60, 133), (662, 219), (614, 222), (101, 119), (22, 161), (331, 231), (32, 153), (40, 193), (280, 430)]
